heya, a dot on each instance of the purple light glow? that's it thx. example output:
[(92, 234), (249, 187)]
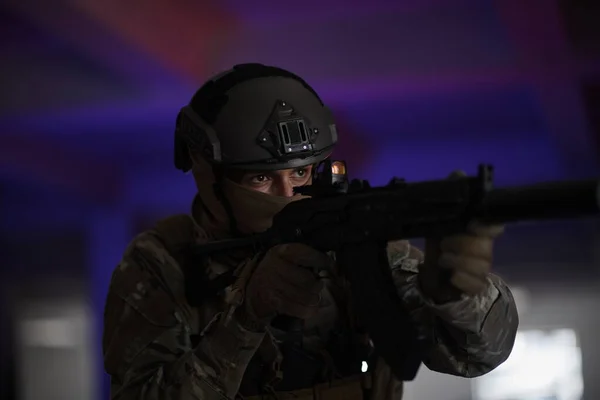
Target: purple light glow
[(44, 214), (517, 161), (113, 117), (262, 12), (108, 235)]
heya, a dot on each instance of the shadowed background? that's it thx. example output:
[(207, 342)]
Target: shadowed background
[(89, 94)]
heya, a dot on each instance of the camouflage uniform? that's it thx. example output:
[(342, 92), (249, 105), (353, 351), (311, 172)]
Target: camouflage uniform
[(160, 342), (157, 346)]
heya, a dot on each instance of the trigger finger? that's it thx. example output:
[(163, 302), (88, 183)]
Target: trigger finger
[(468, 283), (304, 255), (301, 296), (294, 274), (476, 267), (480, 247)]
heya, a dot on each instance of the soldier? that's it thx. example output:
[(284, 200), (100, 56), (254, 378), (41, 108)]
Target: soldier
[(177, 328)]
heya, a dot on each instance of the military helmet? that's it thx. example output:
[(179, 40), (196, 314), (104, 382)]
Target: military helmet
[(255, 117)]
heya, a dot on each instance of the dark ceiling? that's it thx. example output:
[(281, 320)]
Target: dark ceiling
[(91, 89)]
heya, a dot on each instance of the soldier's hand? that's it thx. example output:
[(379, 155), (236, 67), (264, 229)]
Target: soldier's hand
[(458, 264), (285, 282)]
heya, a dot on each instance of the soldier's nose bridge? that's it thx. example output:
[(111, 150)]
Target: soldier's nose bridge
[(282, 178)]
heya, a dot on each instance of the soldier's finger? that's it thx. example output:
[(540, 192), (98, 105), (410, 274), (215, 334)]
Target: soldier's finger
[(476, 267), (467, 283), (468, 245)]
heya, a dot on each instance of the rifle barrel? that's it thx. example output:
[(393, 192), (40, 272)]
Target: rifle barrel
[(551, 200)]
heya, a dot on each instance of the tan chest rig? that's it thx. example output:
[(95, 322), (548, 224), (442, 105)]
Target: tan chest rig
[(177, 233)]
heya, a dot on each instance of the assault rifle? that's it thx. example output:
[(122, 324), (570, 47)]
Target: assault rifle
[(356, 221)]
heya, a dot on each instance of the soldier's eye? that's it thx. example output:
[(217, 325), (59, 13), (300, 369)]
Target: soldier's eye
[(301, 172), (259, 179)]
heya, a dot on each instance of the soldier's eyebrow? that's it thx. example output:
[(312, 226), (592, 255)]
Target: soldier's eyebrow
[(239, 175)]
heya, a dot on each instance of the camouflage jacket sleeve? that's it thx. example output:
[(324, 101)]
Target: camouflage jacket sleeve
[(149, 348), (469, 337)]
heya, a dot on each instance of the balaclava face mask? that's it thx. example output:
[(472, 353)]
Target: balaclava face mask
[(253, 211)]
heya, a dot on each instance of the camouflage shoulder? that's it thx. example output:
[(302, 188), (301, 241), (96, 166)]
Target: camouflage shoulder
[(150, 272), (162, 244), (149, 250), (147, 261), (139, 304)]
